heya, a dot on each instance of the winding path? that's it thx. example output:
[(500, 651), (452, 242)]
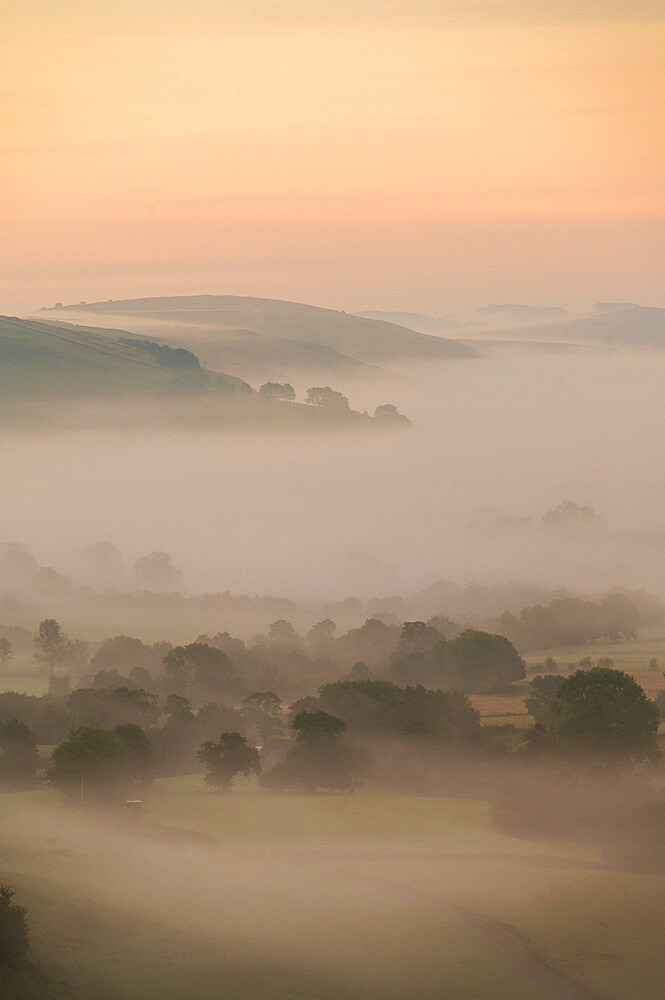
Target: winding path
[(510, 942)]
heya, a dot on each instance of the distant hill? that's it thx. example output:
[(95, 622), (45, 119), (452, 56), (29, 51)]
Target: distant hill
[(255, 336), (414, 321), (47, 358), (512, 313), (623, 325)]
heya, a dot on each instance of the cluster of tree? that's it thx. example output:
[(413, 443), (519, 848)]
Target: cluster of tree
[(571, 621), (99, 759), (473, 661), (19, 758), (569, 515), (335, 402), (20, 977), (278, 390), (320, 758), (598, 713), (176, 358), (20, 571), (382, 708), (94, 764), (14, 941), (219, 676), (585, 765)]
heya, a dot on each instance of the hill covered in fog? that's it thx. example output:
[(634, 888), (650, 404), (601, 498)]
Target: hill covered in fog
[(257, 337), (54, 373)]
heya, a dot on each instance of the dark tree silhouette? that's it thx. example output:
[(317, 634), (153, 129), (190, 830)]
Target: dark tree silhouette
[(229, 756)]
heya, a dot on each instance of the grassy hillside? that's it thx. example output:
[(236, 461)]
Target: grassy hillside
[(38, 358), (238, 320)]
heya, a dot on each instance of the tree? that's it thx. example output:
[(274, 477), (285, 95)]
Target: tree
[(283, 633), (107, 707), (435, 716), (318, 726), (328, 398), (17, 566), (102, 563), (137, 757), (263, 710), (179, 738), (206, 670), (90, 762), (125, 652), (19, 758), (569, 515), (619, 617), (321, 637), (53, 646), (604, 713), (49, 582), (14, 943), (319, 758), (389, 414), (6, 652), (229, 756), (542, 692), (213, 718), (156, 571), (177, 705), (277, 390), (486, 662)]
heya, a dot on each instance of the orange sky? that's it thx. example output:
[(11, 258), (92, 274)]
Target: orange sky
[(431, 155)]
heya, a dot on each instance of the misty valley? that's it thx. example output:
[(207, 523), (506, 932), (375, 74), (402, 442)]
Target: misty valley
[(331, 652)]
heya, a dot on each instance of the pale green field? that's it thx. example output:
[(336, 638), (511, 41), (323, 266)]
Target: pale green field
[(603, 928), (270, 912), (632, 656), (252, 894), (24, 684)]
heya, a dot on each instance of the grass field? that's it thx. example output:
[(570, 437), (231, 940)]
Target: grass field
[(24, 684), (632, 656), (268, 913), (252, 894)]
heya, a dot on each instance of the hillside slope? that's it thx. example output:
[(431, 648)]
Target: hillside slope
[(40, 359)]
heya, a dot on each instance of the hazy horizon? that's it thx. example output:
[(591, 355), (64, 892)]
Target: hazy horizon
[(428, 157)]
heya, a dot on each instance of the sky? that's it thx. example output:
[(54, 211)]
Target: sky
[(433, 156)]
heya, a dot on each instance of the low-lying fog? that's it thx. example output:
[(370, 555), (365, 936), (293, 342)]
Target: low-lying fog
[(511, 433)]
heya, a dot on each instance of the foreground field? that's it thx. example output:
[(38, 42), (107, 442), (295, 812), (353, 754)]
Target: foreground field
[(374, 895)]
